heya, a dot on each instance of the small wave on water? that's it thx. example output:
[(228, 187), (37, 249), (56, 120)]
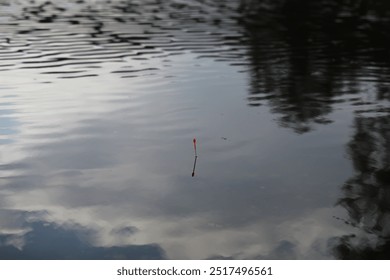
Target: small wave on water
[(63, 35)]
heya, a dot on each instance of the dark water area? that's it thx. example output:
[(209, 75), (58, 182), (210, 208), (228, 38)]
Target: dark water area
[(289, 102)]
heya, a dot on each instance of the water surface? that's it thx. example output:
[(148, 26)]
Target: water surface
[(100, 102)]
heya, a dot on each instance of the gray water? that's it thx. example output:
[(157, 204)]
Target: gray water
[(100, 102)]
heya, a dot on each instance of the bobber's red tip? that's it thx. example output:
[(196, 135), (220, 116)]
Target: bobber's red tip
[(195, 146)]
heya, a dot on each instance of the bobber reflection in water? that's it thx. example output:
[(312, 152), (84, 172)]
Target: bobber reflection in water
[(196, 156)]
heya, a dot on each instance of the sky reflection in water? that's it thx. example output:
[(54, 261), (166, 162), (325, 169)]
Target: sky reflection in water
[(97, 123)]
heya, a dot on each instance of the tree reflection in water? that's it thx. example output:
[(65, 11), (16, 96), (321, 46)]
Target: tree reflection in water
[(313, 56), (305, 55), (367, 194)]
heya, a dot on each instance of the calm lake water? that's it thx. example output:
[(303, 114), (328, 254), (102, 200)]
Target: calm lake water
[(100, 101)]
